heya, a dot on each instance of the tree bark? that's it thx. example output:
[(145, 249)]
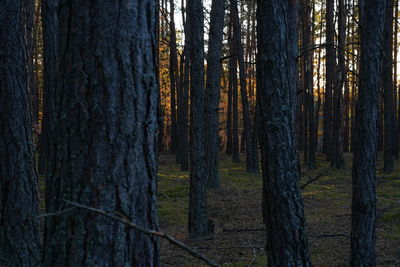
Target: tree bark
[(174, 76), (19, 224), (198, 217), (213, 91), (277, 71), (372, 17), (105, 152)]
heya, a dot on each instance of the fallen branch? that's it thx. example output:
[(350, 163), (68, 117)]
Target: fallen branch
[(121, 218), (333, 235), (243, 230), (56, 213), (311, 181)]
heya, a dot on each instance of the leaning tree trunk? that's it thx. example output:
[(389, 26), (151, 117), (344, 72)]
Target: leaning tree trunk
[(213, 91), (372, 17), (198, 218), (105, 152), (277, 53), (19, 224)]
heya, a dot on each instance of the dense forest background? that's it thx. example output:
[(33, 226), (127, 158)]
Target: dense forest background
[(256, 132)]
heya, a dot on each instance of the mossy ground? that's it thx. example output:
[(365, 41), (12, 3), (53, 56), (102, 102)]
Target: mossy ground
[(237, 205)]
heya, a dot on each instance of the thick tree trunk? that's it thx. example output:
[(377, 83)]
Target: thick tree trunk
[(198, 218), (372, 17), (19, 224), (106, 136), (387, 87), (213, 91), (277, 52)]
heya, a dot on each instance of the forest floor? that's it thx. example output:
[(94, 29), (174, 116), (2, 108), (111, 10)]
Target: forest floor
[(239, 238)]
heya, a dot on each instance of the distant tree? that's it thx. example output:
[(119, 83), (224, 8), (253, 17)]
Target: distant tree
[(198, 217), (213, 91), (363, 224), (174, 77), (287, 243), (19, 224), (105, 152)]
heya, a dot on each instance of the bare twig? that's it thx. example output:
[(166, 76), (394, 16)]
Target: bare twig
[(254, 257), (121, 218), (310, 181), (56, 213)]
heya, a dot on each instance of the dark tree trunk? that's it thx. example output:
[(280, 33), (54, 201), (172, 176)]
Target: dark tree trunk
[(233, 84), (198, 218), (184, 105), (106, 136), (387, 88), (308, 82), (396, 97), (173, 77), (229, 140), (337, 160), (50, 55), (251, 150), (213, 91), (19, 224), (330, 78), (372, 17), (277, 52)]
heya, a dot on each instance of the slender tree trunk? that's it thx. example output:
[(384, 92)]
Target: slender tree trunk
[(395, 86), (372, 17), (233, 84), (277, 52), (387, 87), (229, 140), (251, 151), (198, 218), (184, 109), (337, 160), (19, 224), (213, 91), (106, 136), (173, 76), (330, 78)]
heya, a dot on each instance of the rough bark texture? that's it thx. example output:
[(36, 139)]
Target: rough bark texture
[(19, 225), (198, 219), (105, 152), (213, 91), (387, 87), (277, 52), (372, 16)]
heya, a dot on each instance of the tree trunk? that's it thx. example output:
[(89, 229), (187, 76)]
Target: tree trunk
[(19, 224), (277, 52), (330, 78), (173, 76), (337, 160), (372, 17), (198, 217), (105, 152), (387, 88), (213, 91), (251, 150)]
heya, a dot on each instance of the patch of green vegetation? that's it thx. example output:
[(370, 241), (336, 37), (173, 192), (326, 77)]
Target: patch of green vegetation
[(259, 260)]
